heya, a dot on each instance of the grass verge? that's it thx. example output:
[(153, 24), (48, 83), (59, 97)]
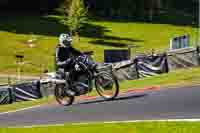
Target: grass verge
[(182, 77), (25, 104), (140, 127)]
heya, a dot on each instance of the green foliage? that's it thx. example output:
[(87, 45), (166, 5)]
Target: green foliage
[(63, 8), (106, 8), (67, 4), (132, 9), (29, 5), (77, 16)]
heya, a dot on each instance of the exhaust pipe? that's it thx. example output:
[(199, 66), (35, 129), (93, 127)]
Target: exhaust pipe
[(58, 81), (54, 81)]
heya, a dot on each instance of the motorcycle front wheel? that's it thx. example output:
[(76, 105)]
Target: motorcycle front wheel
[(107, 85), (61, 96)]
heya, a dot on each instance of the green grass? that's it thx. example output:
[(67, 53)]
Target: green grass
[(20, 105), (3, 80), (180, 77), (140, 127), (15, 31)]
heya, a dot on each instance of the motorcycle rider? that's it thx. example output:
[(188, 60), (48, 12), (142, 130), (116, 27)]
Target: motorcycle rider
[(65, 55), (65, 52)]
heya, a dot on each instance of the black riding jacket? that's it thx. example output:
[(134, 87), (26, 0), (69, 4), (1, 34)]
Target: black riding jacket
[(64, 56)]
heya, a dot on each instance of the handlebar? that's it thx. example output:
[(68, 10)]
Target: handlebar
[(89, 52), (77, 58)]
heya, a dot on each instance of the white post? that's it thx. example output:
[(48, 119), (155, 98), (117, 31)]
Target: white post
[(171, 44), (198, 25), (18, 73)]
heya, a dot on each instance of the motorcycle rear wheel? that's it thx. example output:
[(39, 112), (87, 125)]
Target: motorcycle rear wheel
[(61, 97)]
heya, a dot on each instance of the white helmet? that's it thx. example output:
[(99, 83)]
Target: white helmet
[(65, 40)]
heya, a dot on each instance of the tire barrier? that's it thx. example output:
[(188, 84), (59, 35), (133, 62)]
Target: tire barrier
[(6, 96), (142, 66), (27, 91), (20, 92), (150, 65), (183, 58)]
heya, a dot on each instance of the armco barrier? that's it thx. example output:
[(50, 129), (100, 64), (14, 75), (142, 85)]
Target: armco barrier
[(183, 58), (46, 88), (125, 70)]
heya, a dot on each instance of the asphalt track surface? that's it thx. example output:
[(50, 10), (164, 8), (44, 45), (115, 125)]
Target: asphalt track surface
[(176, 103)]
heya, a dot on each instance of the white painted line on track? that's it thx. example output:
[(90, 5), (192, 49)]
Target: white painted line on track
[(23, 109), (110, 122), (135, 121), (49, 125)]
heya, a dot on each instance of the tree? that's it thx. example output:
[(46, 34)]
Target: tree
[(66, 5), (77, 17)]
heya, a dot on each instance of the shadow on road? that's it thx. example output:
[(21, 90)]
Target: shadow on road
[(133, 96)]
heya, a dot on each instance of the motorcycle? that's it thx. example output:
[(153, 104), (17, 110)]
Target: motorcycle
[(83, 77)]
